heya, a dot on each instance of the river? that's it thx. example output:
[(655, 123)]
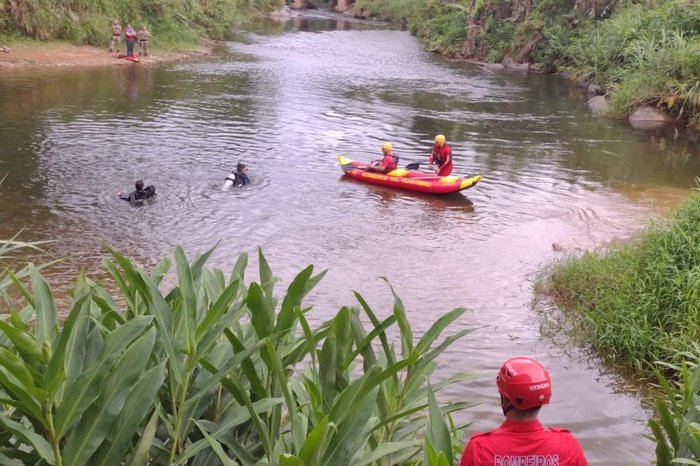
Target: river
[(287, 98)]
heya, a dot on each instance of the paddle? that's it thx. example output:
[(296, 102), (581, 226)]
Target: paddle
[(416, 166)]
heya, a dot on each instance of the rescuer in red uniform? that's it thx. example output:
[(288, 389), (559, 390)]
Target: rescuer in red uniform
[(389, 160), (525, 386), (441, 156)]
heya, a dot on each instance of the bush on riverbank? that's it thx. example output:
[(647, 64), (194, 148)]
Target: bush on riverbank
[(172, 24), (638, 303), (214, 371), (640, 53)]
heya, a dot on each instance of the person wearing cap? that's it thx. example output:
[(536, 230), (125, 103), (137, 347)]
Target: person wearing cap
[(116, 35), (140, 194), (144, 37), (388, 162), (441, 156), (525, 386)]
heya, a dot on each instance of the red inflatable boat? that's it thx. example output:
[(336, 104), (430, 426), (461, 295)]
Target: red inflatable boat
[(402, 178)]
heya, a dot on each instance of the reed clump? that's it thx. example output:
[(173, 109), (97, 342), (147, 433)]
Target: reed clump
[(195, 367)]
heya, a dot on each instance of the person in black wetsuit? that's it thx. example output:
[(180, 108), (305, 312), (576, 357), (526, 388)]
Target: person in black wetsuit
[(137, 197)]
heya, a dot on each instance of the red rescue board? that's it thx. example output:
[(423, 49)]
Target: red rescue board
[(124, 56)]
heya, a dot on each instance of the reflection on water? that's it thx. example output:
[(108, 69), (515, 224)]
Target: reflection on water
[(290, 96)]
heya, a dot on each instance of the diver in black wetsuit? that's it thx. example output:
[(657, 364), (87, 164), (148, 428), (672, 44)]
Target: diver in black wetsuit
[(137, 197)]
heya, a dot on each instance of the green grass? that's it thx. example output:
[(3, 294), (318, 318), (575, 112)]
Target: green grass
[(638, 303), (173, 23)]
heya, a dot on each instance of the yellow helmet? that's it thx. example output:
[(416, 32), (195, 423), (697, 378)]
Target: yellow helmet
[(440, 139), (386, 147)]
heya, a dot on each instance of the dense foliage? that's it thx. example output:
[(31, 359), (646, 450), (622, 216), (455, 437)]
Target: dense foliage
[(638, 51), (193, 367), (88, 22)]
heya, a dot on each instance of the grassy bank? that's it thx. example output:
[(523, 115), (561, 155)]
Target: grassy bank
[(639, 305), (638, 52), (175, 24)]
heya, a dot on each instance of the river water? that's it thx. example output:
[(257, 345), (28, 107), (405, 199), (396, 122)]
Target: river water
[(288, 97)]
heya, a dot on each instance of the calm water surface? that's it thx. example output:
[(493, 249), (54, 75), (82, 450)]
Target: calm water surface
[(288, 98)]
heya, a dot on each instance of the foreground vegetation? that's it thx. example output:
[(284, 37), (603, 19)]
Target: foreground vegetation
[(208, 370), (172, 23), (639, 304), (639, 52)]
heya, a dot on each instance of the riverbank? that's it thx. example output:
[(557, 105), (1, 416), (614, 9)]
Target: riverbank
[(22, 55), (637, 302), (630, 57), (637, 305)]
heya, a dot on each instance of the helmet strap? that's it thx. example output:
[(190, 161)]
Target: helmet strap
[(506, 405)]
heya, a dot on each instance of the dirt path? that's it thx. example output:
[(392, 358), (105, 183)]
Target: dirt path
[(60, 54)]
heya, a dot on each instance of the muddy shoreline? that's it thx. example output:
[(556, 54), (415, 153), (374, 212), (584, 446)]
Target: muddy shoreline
[(58, 54)]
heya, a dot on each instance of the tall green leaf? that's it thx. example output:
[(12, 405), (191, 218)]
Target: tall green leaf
[(57, 364), (141, 452), (261, 314), (437, 432), (30, 438), (188, 323), (99, 419), (83, 391), (46, 326)]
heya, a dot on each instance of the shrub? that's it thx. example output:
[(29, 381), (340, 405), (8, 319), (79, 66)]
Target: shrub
[(209, 369)]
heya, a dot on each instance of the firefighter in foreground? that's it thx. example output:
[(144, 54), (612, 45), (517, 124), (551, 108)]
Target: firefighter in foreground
[(525, 386)]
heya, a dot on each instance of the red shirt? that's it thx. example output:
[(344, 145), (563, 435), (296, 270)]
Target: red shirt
[(442, 156), (389, 162), (525, 443)]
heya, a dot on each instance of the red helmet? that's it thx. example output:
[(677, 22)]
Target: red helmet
[(524, 382)]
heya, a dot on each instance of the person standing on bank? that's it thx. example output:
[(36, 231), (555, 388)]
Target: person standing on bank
[(130, 36), (441, 156), (525, 386), (116, 35), (143, 36)]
